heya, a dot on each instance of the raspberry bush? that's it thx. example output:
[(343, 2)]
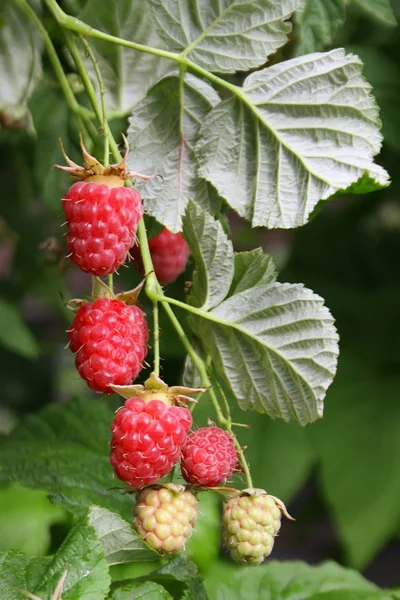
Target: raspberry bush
[(202, 144)]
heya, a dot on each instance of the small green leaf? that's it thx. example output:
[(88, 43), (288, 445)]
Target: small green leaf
[(127, 73), (162, 133), (141, 591), (252, 269), (296, 133), (20, 59), (87, 577), (291, 580), (213, 255), (14, 334), (26, 529), (121, 543), (317, 24), (224, 36), (380, 10), (65, 450)]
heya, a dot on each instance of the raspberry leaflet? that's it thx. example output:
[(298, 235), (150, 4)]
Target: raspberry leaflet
[(110, 342), (250, 522), (165, 516), (169, 253), (101, 215), (208, 457)]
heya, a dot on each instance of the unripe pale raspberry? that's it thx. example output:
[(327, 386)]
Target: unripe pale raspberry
[(110, 342), (169, 253), (249, 526), (164, 518), (147, 440), (102, 222), (208, 457)]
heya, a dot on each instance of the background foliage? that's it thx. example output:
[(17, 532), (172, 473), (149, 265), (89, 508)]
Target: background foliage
[(340, 475)]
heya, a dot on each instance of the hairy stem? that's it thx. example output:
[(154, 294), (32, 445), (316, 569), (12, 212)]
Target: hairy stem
[(92, 57), (156, 337)]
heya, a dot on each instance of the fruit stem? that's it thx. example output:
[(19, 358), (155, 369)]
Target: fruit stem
[(156, 334), (90, 53), (91, 92)]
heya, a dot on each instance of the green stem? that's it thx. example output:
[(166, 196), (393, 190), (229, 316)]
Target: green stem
[(156, 334), (102, 99), (73, 105), (91, 92)]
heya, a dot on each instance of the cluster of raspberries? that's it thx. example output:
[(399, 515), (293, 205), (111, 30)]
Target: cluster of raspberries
[(150, 433)]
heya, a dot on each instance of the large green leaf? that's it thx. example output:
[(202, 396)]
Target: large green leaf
[(14, 334), (224, 35), (65, 451), (25, 519), (291, 581), (83, 553), (121, 543), (19, 571), (127, 73), (296, 133), (274, 344), (317, 24), (162, 133), (359, 446), (20, 62), (378, 9)]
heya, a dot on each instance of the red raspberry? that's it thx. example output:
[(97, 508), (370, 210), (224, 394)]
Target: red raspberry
[(110, 339), (102, 223), (208, 457), (147, 440), (169, 253)]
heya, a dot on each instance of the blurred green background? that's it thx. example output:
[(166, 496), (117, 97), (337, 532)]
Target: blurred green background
[(341, 476)]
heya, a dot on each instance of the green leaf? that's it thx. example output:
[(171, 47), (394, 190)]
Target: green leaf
[(19, 571), (141, 591), (204, 545), (213, 255), (359, 477), (65, 450), (20, 61), (127, 73), (82, 552), (317, 24), (295, 134), (224, 36), (121, 543), (274, 345), (379, 10), (14, 334), (180, 577), (291, 581), (162, 132), (252, 269), (23, 528)]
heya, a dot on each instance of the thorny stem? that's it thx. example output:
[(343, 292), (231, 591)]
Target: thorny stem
[(102, 98), (153, 288)]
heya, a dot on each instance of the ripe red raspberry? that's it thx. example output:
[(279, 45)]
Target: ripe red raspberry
[(147, 440), (169, 253), (110, 339), (102, 223), (208, 457)]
